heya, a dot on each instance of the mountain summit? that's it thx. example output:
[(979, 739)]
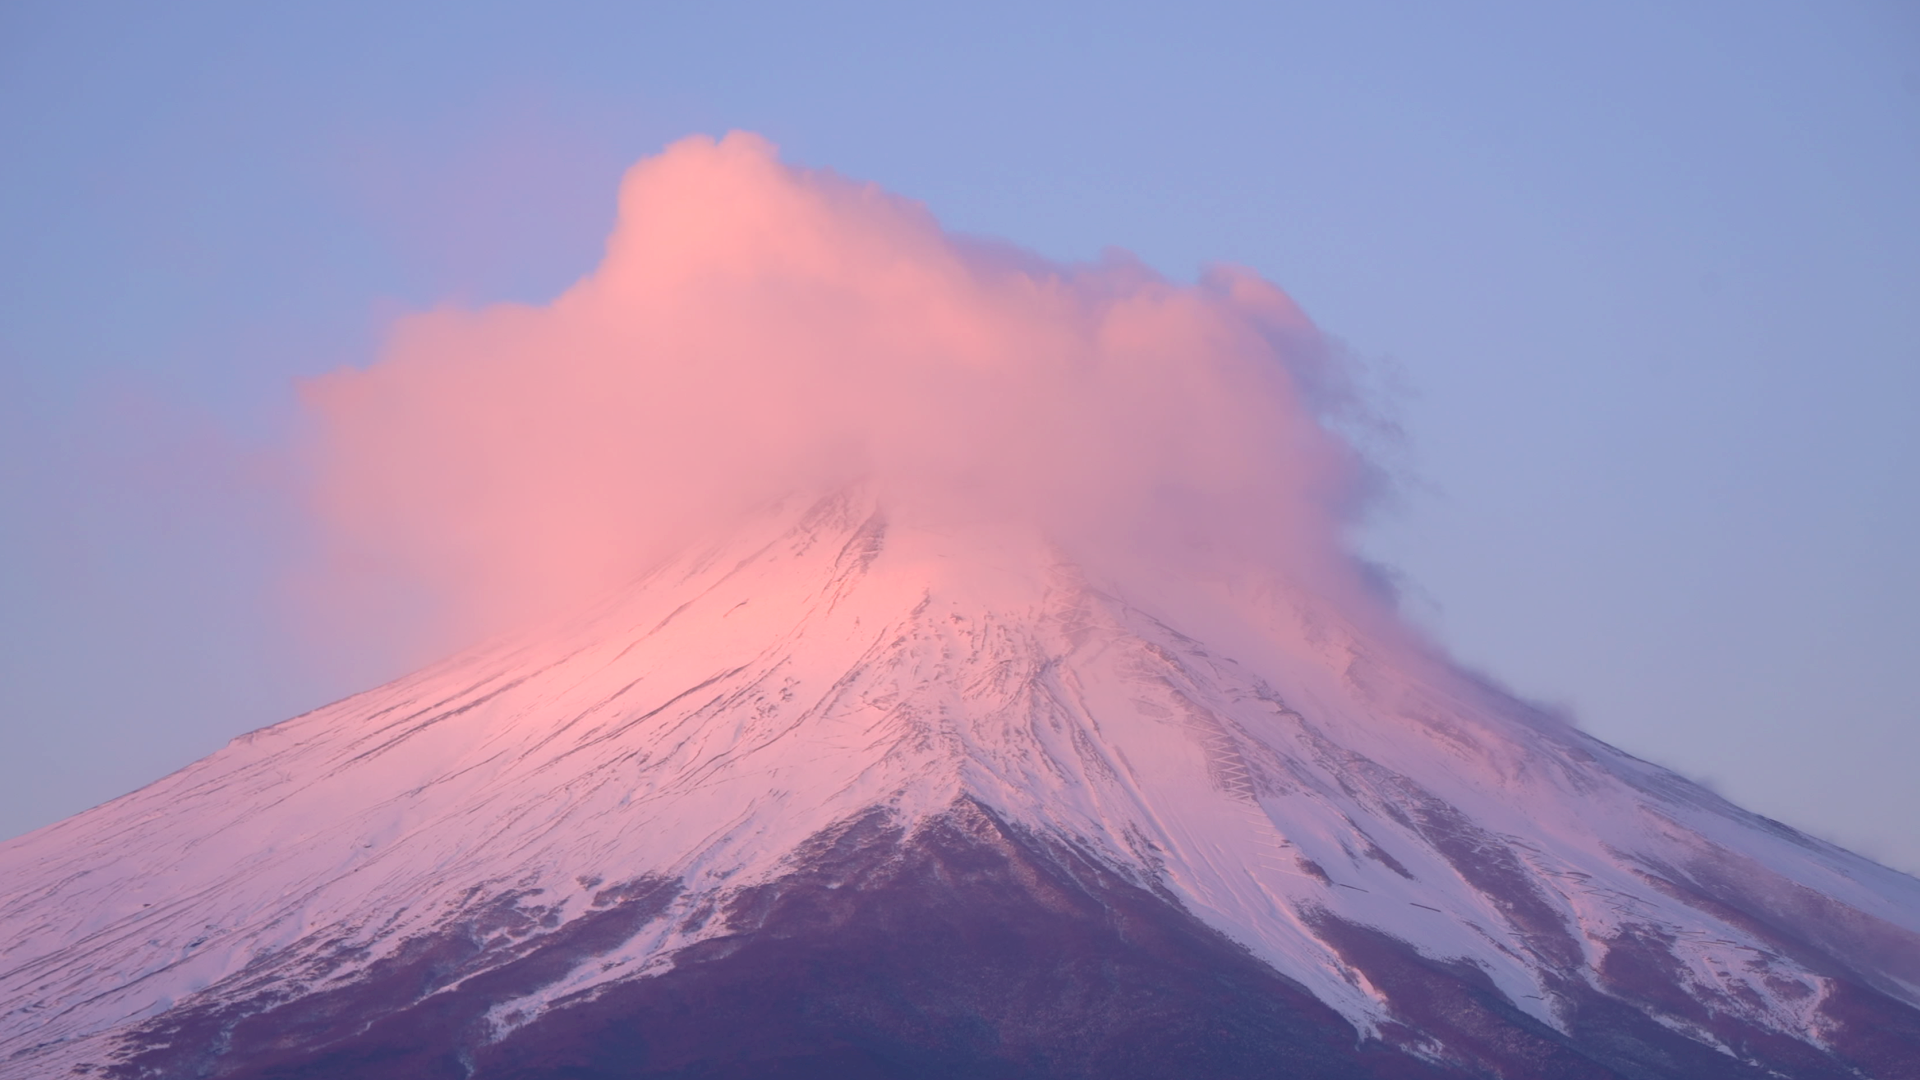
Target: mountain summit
[(855, 795)]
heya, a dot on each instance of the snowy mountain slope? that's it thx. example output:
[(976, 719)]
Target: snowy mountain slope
[(546, 826)]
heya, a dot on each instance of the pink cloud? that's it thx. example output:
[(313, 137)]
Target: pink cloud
[(757, 330)]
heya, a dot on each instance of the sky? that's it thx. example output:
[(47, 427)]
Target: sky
[(1637, 283)]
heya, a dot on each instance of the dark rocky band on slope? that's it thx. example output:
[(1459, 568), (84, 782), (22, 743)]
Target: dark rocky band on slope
[(970, 951)]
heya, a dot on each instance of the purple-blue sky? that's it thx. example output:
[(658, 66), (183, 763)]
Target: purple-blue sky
[(1645, 279)]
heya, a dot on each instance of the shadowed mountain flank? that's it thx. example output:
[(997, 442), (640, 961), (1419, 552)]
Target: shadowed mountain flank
[(969, 948)]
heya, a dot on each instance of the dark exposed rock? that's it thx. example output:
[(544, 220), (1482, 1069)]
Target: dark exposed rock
[(971, 949)]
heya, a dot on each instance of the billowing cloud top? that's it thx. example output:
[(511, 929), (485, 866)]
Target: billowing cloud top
[(757, 330)]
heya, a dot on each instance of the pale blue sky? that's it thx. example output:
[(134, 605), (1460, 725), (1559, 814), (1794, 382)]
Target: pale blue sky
[(1647, 275)]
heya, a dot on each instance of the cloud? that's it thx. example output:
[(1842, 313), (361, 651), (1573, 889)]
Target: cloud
[(757, 329)]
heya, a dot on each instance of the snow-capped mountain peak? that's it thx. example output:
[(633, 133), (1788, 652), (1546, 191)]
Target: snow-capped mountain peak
[(841, 698)]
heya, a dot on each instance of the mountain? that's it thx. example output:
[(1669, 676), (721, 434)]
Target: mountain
[(855, 795)]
